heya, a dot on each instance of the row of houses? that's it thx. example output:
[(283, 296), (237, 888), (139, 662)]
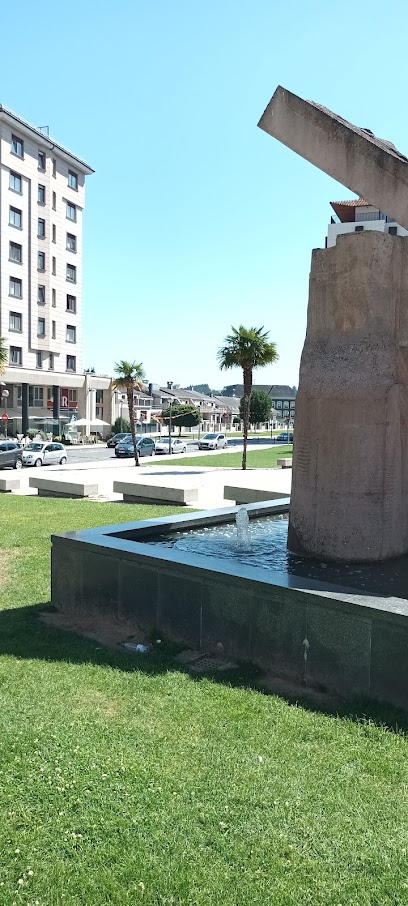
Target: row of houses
[(93, 399)]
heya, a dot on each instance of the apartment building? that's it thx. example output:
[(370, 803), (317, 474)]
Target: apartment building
[(357, 215), (42, 198)]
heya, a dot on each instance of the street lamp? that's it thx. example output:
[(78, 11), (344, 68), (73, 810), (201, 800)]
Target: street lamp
[(4, 395)]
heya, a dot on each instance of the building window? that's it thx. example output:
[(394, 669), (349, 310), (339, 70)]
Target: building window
[(41, 295), (41, 228), (54, 233), (41, 194), (99, 397), (41, 261), (54, 266), (54, 201), (41, 327), (72, 396), (15, 252), (71, 242), (393, 231), (36, 394), (72, 179), (99, 411), (71, 363), (50, 398), (39, 362), (15, 355), (15, 217), (15, 182), (17, 146), (54, 330), (279, 404), (41, 160), (15, 321), (54, 167), (51, 361), (71, 304), (71, 212), (71, 333), (54, 298), (15, 287), (71, 273)]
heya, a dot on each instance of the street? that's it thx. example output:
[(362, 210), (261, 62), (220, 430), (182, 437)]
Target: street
[(101, 454)]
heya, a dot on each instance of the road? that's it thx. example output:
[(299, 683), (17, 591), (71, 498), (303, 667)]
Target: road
[(101, 454)]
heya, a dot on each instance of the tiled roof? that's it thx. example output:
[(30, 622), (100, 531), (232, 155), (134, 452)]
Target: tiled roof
[(353, 203)]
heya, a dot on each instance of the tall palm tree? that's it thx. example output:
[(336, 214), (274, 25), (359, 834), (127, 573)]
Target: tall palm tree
[(247, 348), (3, 356), (129, 378)]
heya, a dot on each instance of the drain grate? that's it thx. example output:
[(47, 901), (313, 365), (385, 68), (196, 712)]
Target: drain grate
[(204, 663)]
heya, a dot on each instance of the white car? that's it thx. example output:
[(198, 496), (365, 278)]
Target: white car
[(177, 445), (212, 442), (38, 454)]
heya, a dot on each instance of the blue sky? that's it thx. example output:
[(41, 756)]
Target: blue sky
[(195, 219)]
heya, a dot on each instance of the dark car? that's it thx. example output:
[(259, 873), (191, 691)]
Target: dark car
[(11, 455), (144, 446), (117, 438), (283, 437)]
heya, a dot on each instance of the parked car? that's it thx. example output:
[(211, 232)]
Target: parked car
[(144, 446), (117, 438), (177, 445), (283, 438), (44, 454), (212, 442), (11, 455)]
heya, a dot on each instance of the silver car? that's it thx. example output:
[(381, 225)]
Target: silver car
[(177, 445), (49, 453), (212, 442)]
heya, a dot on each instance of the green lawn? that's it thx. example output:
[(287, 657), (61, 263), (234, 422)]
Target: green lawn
[(125, 781), (256, 459)]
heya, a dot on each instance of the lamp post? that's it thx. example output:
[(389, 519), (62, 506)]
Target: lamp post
[(4, 395)]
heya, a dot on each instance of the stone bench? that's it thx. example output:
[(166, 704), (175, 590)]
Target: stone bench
[(285, 462), (9, 483), (134, 492), (251, 495), (54, 487)]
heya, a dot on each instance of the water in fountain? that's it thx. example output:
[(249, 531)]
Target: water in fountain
[(242, 524)]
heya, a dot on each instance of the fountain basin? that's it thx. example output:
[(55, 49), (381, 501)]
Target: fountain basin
[(352, 641)]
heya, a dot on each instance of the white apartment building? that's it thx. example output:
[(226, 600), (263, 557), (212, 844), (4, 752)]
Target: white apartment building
[(42, 197), (357, 215)]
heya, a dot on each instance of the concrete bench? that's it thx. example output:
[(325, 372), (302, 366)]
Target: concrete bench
[(9, 483), (54, 487), (251, 495), (285, 462), (134, 492)]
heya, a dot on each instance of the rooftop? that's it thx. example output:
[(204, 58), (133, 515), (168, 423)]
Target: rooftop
[(42, 138)]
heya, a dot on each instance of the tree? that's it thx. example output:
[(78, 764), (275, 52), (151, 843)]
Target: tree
[(259, 407), (184, 415), (129, 378), (247, 348), (121, 426), (3, 356)]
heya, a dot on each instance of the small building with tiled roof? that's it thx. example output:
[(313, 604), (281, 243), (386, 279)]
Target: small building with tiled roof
[(355, 215)]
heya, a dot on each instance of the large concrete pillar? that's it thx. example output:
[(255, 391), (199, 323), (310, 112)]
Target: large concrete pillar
[(350, 470)]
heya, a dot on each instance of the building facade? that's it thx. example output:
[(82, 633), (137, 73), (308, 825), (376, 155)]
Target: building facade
[(357, 215), (42, 198)]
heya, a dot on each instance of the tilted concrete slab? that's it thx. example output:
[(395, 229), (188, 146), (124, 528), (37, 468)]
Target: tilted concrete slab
[(369, 166), (241, 494), (54, 487)]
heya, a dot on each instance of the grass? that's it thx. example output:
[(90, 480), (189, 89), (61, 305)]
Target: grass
[(256, 459), (125, 781)]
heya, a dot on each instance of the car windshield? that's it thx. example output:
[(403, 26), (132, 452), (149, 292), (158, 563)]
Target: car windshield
[(35, 447), (210, 436)]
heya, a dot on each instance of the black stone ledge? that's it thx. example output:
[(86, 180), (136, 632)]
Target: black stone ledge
[(120, 541)]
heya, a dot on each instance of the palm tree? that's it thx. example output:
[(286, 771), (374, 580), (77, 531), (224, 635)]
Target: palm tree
[(129, 378), (3, 356), (247, 349)]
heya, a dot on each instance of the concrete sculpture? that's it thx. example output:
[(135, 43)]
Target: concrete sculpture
[(350, 470)]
